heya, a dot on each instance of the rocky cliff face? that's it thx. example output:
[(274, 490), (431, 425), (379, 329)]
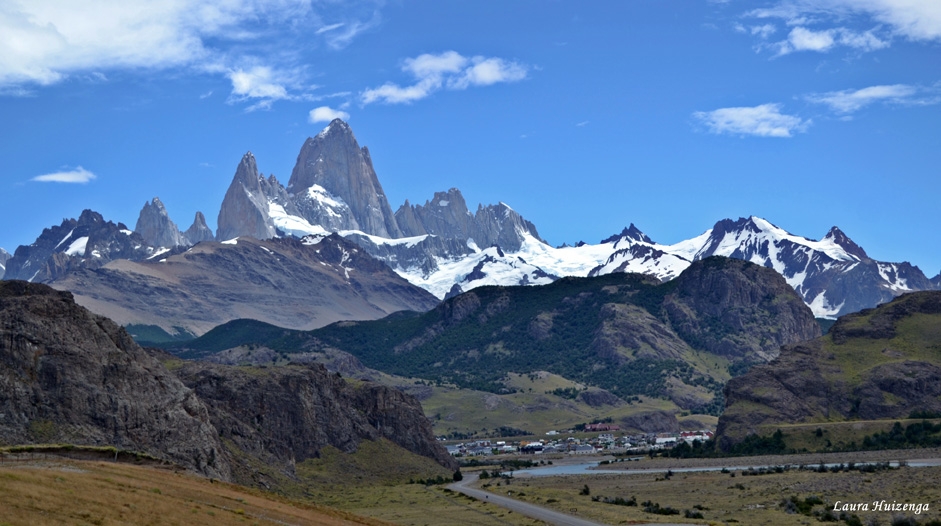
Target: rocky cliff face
[(70, 376), (87, 242), (198, 231), (877, 364), (284, 415), (286, 282), (333, 162), (155, 226)]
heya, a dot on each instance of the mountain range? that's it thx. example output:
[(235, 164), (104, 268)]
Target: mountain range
[(439, 246), (629, 335)]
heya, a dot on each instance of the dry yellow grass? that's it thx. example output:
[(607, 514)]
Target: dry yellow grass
[(742, 500), (54, 491)]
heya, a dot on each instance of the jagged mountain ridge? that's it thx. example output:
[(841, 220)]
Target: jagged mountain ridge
[(444, 248), (86, 242)]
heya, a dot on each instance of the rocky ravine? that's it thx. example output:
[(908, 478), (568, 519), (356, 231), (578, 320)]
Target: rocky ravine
[(880, 363), (70, 376)]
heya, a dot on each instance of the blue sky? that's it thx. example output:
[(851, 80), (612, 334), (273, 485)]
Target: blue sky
[(582, 116)]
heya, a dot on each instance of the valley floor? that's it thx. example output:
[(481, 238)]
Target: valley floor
[(735, 496)]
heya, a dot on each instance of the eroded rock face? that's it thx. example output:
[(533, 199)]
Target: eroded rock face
[(70, 376), (284, 415)]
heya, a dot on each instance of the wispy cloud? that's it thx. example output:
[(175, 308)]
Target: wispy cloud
[(765, 120), (802, 39), (326, 114), (78, 175), (861, 25), (46, 41), (849, 101), (263, 85), (448, 70)]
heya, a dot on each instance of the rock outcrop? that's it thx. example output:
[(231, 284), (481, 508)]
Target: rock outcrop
[(736, 309), (155, 226), (876, 364), (69, 376), (284, 415)]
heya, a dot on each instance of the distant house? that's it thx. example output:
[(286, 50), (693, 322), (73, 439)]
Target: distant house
[(582, 449), (602, 427)]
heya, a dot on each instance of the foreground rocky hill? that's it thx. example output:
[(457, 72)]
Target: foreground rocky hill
[(881, 363), (70, 376), (283, 415)]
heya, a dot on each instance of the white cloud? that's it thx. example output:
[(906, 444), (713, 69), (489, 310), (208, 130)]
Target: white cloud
[(341, 34), (765, 120), (763, 31), (264, 85), (331, 27), (78, 175), (487, 71), (43, 42), (916, 20), (326, 114), (449, 69), (802, 39), (849, 101)]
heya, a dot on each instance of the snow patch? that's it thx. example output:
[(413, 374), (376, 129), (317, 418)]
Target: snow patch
[(64, 239), (233, 241), (822, 308), (77, 248), (291, 224)]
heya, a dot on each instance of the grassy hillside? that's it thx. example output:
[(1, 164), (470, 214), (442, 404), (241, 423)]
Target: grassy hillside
[(61, 491), (872, 369)]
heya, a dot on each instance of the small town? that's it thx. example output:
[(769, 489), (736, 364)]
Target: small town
[(606, 442)]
